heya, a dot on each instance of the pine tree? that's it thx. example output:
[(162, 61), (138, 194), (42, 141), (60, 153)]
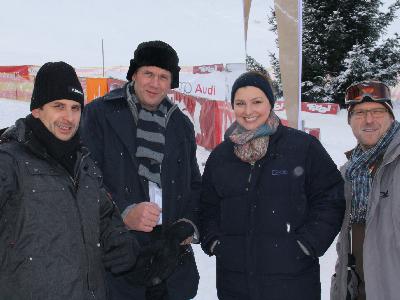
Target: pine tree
[(342, 43), (253, 65)]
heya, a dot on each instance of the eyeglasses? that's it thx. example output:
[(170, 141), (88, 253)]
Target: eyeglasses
[(375, 112), (376, 90)]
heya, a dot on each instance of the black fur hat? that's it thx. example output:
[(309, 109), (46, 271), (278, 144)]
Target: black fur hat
[(55, 81), (155, 53)]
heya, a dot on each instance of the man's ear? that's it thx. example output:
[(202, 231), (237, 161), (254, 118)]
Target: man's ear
[(35, 113)]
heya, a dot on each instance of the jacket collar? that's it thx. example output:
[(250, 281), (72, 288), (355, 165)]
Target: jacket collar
[(393, 150), (117, 94), (20, 133), (121, 119)]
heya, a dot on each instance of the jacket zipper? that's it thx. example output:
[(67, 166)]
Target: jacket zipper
[(92, 294), (251, 171), (75, 180)]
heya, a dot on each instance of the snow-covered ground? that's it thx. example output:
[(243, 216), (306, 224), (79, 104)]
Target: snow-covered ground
[(336, 136)]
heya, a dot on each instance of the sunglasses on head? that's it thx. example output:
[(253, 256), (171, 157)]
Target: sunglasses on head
[(375, 90)]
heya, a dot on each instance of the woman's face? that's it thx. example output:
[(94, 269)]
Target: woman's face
[(251, 107)]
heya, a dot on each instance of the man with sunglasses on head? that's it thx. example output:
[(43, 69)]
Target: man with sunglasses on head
[(368, 265)]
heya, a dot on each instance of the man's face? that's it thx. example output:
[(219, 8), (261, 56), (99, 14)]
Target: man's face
[(368, 129), (61, 117), (151, 85)]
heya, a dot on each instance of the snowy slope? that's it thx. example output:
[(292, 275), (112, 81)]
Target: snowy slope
[(336, 136), (11, 110)]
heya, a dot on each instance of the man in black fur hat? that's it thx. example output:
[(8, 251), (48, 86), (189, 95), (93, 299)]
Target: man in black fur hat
[(57, 223), (146, 149)]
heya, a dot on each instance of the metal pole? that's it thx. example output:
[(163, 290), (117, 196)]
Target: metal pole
[(102, 53)]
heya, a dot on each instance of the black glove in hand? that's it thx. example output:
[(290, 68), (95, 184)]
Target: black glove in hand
[(120, 252), (165, 261), (179, 231), (167, 257), (158, 260), (143, 271)]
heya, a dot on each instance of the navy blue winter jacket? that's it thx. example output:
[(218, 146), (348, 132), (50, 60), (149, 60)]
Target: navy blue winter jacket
[(259, 213)]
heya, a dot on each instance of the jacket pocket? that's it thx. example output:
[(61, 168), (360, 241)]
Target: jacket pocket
[(231, 253), (26, 277), (280, 255)]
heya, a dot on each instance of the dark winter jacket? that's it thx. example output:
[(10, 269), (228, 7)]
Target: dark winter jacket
[(109, 130), (52, 226), (260, 212)]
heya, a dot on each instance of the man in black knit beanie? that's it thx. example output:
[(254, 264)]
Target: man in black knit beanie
[(59, 228)]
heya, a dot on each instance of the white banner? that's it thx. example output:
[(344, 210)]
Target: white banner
[(212, 82)]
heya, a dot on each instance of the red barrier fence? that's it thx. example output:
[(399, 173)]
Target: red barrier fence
[(320, 108), (211, 118), (203, 94)]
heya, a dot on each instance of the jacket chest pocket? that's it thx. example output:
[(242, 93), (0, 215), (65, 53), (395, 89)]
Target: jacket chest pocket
[(26, 277), (41, 179), (233, 180), (47, 201)]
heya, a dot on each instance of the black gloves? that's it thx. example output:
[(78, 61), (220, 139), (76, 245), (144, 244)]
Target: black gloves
[(167, 257), (179, 231), (120, 252), (158, 260), (144, 271), (165, 261)]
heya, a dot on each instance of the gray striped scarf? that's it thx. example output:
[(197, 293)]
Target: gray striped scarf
[(150, 136), (359, 174)]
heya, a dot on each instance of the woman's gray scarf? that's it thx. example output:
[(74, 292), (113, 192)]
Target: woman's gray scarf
[(358, 173)]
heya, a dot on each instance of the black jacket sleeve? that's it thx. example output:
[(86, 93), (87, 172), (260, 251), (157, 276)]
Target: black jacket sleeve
[(326, 202), (110, 218), (92, 130), (209, 208), (120, 246), (8, 179), (193, 200)]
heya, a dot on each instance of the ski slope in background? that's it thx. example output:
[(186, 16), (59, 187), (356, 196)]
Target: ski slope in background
[(336, 136)]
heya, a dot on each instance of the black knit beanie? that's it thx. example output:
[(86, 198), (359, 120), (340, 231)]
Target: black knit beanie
[(55, 81), (256, 79), (158, 54)]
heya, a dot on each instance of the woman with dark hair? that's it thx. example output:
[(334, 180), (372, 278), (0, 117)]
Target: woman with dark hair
[(272, 202)]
